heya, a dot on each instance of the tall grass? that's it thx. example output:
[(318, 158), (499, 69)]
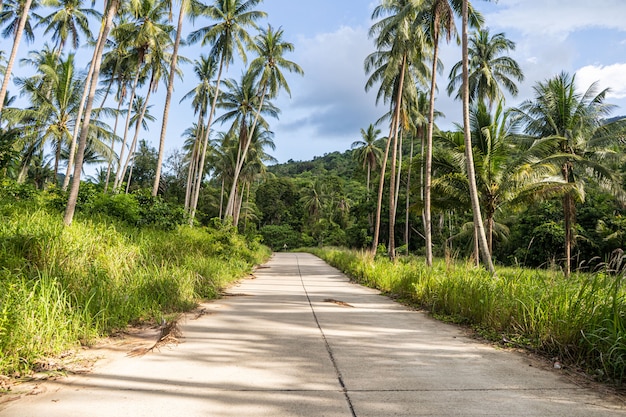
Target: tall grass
[(63, 286), (581, 320)]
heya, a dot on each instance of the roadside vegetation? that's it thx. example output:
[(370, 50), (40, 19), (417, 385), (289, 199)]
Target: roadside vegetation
[(537, 185), (579, 321), (62, 287)]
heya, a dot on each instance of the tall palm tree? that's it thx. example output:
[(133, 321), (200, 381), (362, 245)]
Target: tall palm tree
[(229, 33), (190, 8), (471, 174), (268, 67), (397, 65), (205, 69), (147, 35), (14, 15), (367, 151), (490, 70), (240, 101), (111, 9), (573, 124)]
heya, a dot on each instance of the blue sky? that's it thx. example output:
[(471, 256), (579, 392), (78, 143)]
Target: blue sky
[(329, 105)]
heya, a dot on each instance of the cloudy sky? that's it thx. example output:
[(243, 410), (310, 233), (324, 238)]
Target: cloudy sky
[(329, 106)]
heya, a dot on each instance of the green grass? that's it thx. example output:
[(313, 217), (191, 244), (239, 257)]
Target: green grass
[(65, 286), (581, 320)]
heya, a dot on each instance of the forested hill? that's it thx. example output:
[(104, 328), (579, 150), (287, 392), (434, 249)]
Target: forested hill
[(342, 164)]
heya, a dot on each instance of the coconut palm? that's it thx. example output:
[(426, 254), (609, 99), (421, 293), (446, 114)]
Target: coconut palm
[(397, 64), (111, 9), (68, 20), (229, 33), (582, 143), (54, 106), (147, 36), (268, 67), (14, 14), (205, 69), (490, 70), (140, 117), (471, 175), (367, 151), (242, 105)]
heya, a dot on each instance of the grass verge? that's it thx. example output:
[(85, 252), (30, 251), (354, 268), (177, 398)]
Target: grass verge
[(65, 286), (581, 320)]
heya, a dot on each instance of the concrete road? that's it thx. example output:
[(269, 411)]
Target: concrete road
[(300, 340)]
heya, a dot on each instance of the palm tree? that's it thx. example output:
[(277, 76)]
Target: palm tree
[(489, 68), (232, 18), (205, 69), (398, 65), (147, 36), (140, 117), (367, 152), (111, 9), (56, 106), (471, 175), (14, 14), (240, 102), (187, 8), (268, 68), (68, 21), (573, 124)]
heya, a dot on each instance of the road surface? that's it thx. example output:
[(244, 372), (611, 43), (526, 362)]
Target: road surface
[(300, 340)]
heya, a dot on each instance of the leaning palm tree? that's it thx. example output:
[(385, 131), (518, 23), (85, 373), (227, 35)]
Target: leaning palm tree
[(490, 69), (111, 9), (367, 152), (228, 33), (14, 14), (268, 67), (574, 125)]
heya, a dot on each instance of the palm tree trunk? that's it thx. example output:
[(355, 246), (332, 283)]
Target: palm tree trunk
[(407, 229), (399, 176), (16, 45), (244, 154), (77, 127), (428, 163), (168, 99), (205, 145), (110, 165), (119, 178), (222, 197), (142, 113), (112, 6), (191, 171), (392, 175), (381, 186), (478, 221), (568, 214)]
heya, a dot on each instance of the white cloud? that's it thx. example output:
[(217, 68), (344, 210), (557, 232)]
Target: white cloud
[(607, 76), (557, 18), (329, 104)]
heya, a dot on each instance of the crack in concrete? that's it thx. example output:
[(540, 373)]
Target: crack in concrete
[(328, 348)]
